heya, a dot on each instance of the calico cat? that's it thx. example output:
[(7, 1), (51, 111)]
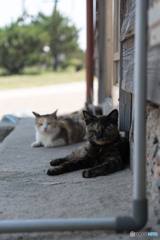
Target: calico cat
[(105, 152), (53, 131)]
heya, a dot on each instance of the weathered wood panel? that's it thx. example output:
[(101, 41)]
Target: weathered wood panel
[(153, 60), (127, 58), (126, 64), (128, 19), (154, 24), (153, 75), (126, 81), (125, 110), (127, 44)]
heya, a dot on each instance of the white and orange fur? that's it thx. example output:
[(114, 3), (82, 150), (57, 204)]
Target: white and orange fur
[(52, 131)]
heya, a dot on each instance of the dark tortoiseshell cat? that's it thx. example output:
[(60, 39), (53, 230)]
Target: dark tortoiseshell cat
[(105, 152)]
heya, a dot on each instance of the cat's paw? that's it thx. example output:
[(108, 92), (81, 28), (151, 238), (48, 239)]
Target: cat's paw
[(85, 174), (58, 161), (53, 171), (48, 145), (88, 174), (36, 144), (55, 162), (52, 163)]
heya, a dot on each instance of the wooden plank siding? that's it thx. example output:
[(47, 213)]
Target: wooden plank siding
[(126, 63), (108, 56), (127, 49), (127, 56), (153, 61)]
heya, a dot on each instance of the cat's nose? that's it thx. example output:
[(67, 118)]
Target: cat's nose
[(99, 136), (45, 129)]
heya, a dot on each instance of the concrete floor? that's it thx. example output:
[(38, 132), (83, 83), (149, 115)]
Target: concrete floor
[(27, 192)]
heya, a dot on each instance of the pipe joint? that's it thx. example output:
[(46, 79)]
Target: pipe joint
[(135, 222)]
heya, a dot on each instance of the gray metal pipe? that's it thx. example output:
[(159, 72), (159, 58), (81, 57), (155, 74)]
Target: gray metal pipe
[(139, 215), (140, 100), (41, 225)]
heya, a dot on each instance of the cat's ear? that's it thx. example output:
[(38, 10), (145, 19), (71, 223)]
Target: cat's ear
[(54, 114), (113, 116), (36, 114), (88, 117)]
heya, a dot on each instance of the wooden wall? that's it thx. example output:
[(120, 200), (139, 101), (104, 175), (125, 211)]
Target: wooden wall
[(127, 44), (104, 41), (127, 57), (153, 70), (127, 48), (127, 19)]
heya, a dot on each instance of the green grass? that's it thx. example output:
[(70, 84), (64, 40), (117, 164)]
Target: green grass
[(35, 80)]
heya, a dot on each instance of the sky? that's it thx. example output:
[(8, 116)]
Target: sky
[(75, 10)]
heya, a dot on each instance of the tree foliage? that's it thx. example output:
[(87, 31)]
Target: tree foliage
[(62, 37), (22, 44)]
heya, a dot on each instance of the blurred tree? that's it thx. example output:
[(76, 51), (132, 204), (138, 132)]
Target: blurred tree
[(62, 37), (20, 45), (41, 39)]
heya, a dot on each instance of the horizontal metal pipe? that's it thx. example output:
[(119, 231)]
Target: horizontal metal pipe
[(41, 225), (119, 224)]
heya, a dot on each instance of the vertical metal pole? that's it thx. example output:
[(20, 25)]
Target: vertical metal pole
[(140, 100), (89, 52)]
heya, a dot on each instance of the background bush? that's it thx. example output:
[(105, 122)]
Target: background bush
[(43, 40)]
